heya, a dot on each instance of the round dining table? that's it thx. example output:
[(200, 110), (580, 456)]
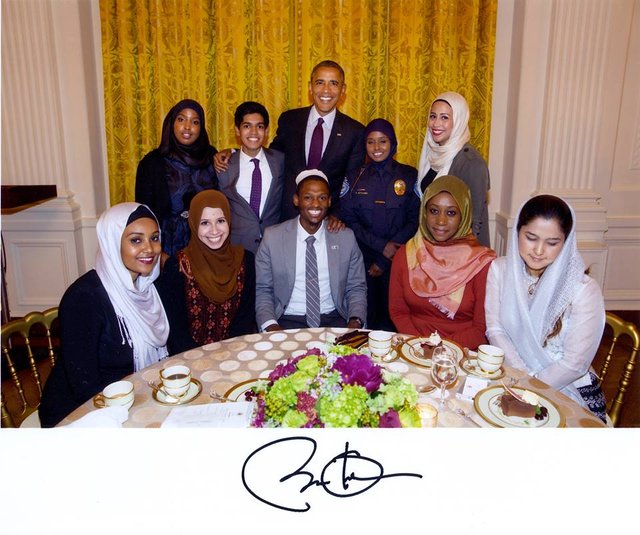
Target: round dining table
[(221, 366)]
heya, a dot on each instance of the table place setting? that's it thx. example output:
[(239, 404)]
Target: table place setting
[(230, 368), (176, 387)]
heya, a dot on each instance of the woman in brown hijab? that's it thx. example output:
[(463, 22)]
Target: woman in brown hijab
[(208, 288)]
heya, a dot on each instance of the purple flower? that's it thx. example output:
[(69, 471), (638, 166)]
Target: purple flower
[(258, 421), (289, 367), (390, 419), (359, 370), (307, 405)]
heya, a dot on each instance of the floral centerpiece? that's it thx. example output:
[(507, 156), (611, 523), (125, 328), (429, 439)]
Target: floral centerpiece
[(341, 389)]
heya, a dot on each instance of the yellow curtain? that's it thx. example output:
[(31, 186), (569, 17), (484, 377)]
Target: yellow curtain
[(397, 55)]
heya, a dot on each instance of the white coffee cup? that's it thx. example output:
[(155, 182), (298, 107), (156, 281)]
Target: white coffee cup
[(115, 394), (175, 380), (380, 343), (490, 358)]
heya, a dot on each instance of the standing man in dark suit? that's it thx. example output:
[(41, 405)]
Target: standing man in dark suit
[(341, 147), (254, 178)]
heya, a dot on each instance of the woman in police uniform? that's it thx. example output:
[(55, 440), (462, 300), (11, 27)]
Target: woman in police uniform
[(378, 203)]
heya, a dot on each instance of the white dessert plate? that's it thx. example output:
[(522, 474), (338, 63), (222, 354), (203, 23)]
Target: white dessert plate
[(236, 392), (472, 367), (487, 405), (194, 391), (412, 352)]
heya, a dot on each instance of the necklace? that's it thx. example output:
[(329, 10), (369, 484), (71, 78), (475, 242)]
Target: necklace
[(531, 281)]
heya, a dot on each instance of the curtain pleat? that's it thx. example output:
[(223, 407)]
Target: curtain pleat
[(397, 56)]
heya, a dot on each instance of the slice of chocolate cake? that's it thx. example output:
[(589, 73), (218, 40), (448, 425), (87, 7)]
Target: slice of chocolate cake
[(430, 344), (514, 407)]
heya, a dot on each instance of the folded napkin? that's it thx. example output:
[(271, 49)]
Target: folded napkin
[(107, 417)]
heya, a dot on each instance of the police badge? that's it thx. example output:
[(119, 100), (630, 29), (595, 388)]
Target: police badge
[(399, 186)]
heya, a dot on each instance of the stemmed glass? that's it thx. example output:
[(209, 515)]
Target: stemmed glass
[(444, 370)]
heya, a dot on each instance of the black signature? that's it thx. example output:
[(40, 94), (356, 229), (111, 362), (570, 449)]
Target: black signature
[(349, 484)]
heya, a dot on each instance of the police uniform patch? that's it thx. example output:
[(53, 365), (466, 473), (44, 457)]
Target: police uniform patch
[(345, 188), (399, 186)]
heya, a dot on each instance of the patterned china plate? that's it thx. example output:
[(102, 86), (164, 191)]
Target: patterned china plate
[(487, 405), (194, 391), (411, 351), (236, 392), (472, 368)]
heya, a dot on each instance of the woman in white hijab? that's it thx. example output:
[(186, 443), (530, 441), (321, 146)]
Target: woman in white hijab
[(446, 151), (542, 309), (112, 322)]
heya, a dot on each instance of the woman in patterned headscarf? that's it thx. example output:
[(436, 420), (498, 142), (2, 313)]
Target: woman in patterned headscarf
[(169, 176), (542, 308), (208, 288), (446, 151), (438, 279)]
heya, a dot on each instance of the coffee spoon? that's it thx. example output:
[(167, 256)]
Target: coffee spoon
[(168, 397)]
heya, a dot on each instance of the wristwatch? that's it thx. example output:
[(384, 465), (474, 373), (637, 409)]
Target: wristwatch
[(356, 318)]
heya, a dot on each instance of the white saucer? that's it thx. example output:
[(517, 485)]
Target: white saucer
[(471, 366), (194, 391)]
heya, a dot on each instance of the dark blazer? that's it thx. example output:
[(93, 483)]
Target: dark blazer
[(470, 167), (246, 228), (344, 152), (93, 353), (276, 272)]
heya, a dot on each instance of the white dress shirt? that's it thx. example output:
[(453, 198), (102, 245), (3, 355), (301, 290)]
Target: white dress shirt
[(245, 178), (311, 125), (298, 303)]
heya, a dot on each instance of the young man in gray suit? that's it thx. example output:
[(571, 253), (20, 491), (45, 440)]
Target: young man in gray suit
[(253, 181), (306, 276)]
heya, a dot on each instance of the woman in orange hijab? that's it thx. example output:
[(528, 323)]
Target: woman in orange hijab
[(438, 278), (208, 288)]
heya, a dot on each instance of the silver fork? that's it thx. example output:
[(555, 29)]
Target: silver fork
[(219, 397)]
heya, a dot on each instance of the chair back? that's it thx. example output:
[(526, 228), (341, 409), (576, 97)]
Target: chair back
[(21, 347), (620, 328)]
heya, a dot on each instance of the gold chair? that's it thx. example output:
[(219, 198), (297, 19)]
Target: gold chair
[(620, 328), (24, 389)]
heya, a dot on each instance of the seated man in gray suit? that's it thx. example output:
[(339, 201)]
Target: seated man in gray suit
[(254, 180), (306, 276)]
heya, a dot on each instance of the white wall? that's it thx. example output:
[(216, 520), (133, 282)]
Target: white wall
[(53, 133), (565, 120)]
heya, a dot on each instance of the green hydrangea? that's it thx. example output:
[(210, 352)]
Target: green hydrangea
[(345, 409), (310, 365), (409, 417), (294, 418)]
